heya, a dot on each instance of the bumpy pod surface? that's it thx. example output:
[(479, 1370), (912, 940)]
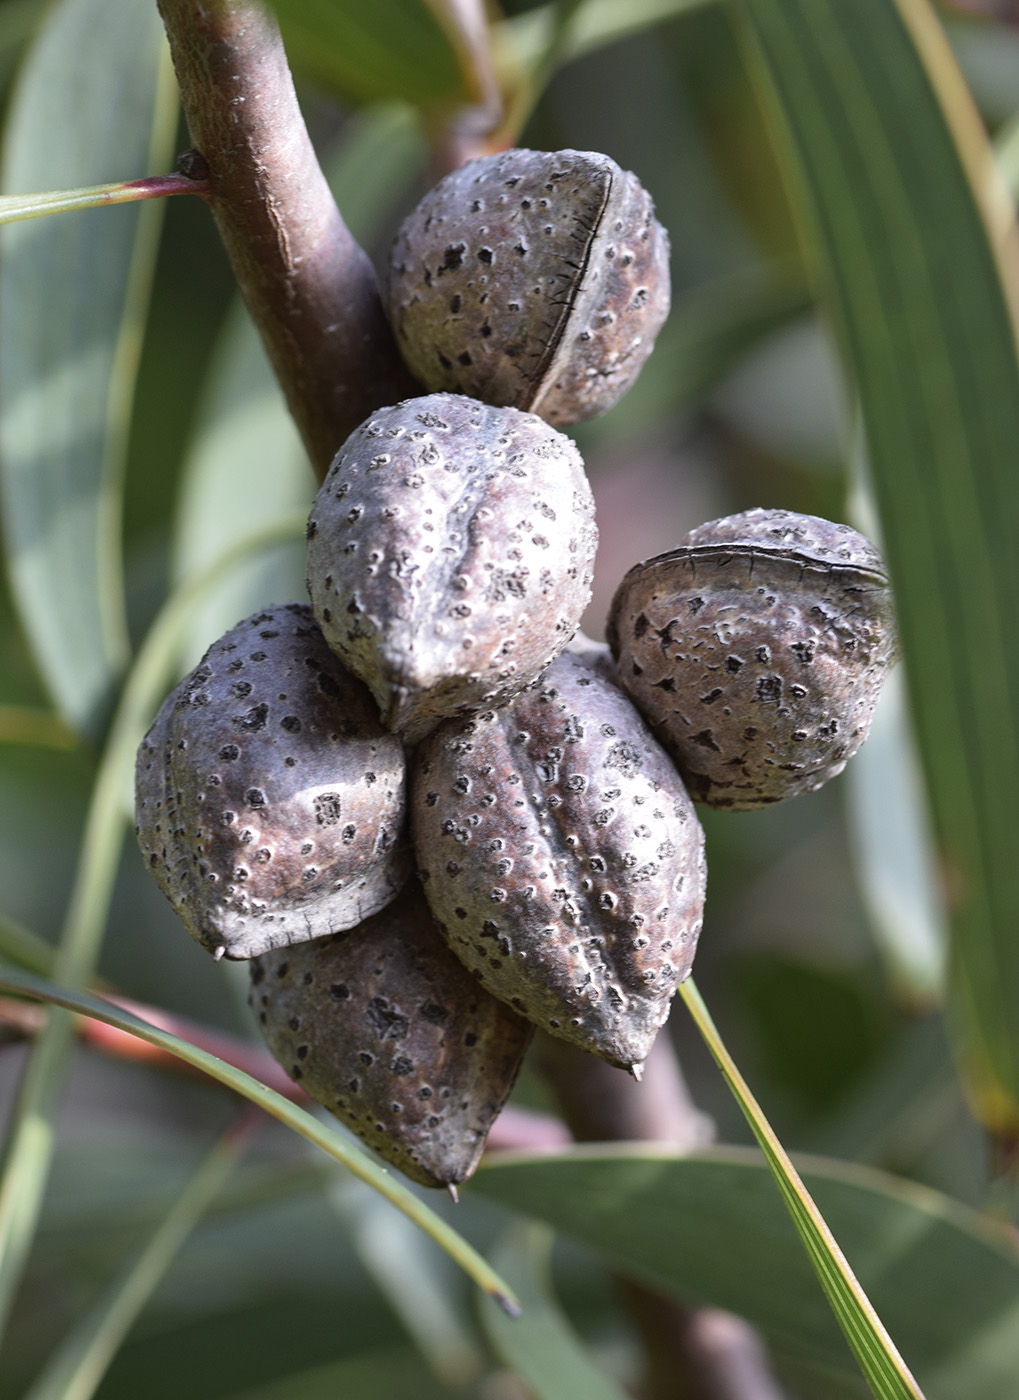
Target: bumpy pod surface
[(532, 279), (756, 651), (450, 554), (563, 860), (385, 1028), (269, 801)]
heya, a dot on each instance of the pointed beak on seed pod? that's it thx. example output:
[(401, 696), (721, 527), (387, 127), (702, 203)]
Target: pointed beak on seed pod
[(386, 1029), (562, 859), (270, 802), (756, 651), (450, 554), (531, 279)]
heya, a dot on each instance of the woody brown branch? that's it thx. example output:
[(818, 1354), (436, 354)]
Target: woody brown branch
[(310, 289)]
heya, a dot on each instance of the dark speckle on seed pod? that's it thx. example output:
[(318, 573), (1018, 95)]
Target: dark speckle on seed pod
[(280, 793), (788, 646), (426, 1087), (565, 905), (448, 604)]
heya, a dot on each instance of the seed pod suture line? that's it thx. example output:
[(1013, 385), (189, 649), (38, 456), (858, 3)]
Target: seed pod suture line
[(756, 651), (270, 803), (386, 1029), (563, 860), (531, 279)]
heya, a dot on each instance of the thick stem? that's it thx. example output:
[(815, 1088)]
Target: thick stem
[(690, 1353), (309, 287)]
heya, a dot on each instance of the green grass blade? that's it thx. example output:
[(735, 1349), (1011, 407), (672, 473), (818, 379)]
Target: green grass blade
[(355, 1161), (875, 1352), (541, 1347), (29, 1145), (914, 240), (95, 102), (77, 1367)]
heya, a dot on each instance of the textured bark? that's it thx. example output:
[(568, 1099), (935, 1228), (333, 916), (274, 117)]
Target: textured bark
[(309, 287)]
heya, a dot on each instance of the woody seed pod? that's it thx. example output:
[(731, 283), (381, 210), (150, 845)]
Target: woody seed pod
[(756, 651), (532, 279), (563, 860), (449, 555), (269, 800), (385, 1028)]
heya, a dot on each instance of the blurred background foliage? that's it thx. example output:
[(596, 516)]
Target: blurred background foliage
[(824, 948)]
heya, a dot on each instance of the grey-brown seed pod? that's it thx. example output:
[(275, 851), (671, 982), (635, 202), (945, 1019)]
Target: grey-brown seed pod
[(450, 554), (532, 279), (563, 860), (756, 650), (269, 801), (385, 1028)]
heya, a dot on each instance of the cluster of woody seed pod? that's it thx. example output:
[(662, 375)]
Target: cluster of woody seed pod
[(431, 708)]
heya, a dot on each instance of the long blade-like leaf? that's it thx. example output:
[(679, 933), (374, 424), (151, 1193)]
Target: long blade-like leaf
[(887, 1374), (710, 1227), (76, 1368), (95, 103), (356, 1161), (915, 245), (542, 1347)]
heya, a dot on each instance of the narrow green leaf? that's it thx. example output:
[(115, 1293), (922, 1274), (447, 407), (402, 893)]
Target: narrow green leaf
[(886, 1372), (95, 102), (416, 1279), (78, 1365), (28, 1147), (892, 850), (915, 244), (710, 1227), (541, 1346), (390, 48), (245, 469), (16, 207), (596, 24), (355, 1161)]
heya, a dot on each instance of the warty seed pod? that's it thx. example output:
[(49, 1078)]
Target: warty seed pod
[(269, 800), (533, 279), (450, 554), (385, 1028), (563, 860), (756, 650)]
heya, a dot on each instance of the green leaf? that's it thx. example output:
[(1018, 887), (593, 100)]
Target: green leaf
[(915, 244), (868, 1338), (95, 103), (596, 24), (892, 850), (357, 1162), (407, 49), (541, 1346), (711, 1228), (78, 1365), (245, 469), (415, 1278)]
